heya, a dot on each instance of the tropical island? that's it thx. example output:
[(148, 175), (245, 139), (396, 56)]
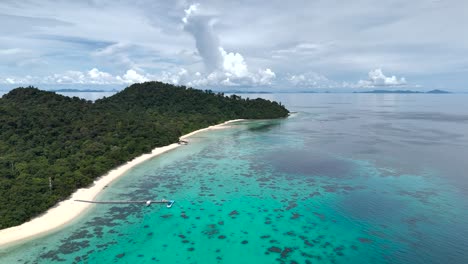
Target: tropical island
[(405, 92), (51, 145)]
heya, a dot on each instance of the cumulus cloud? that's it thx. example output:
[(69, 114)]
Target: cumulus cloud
[(217, 79), (266, 76), (234, 63), (93, 76), (222, 67), (310, 80), (131, 76), (179, 77), (235, 75), (377, 78), (98, 76), (201, 28), (12, 80), (188, 12)]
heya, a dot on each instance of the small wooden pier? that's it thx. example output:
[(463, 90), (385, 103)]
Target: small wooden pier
[(168, 203)]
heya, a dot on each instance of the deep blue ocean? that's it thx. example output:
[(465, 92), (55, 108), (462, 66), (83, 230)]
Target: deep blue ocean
[(348, 178)]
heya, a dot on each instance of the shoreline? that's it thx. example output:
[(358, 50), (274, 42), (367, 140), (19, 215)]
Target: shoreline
[(68, 210)]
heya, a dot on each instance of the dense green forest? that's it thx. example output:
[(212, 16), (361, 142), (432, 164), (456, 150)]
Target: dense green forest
[(71, 141)]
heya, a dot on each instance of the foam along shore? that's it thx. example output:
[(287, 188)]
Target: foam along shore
[(68, 210)]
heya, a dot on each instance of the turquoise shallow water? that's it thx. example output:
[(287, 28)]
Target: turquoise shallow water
[(348, 179)]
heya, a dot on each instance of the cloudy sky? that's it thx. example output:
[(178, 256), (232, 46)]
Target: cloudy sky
[(259, 45)]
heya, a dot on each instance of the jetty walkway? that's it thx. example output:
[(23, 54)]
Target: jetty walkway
[(168, 203)]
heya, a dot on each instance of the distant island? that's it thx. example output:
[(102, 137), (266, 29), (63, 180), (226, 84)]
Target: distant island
[(82, 91), (438, 92), (405, 92), (52, 144), (267, 92)]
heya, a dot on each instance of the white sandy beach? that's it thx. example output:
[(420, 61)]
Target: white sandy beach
[(65, 211)]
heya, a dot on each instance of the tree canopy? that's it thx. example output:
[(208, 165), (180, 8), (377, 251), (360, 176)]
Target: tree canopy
[(47, 138)]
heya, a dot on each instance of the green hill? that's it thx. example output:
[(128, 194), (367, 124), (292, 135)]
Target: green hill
[(73, 141)]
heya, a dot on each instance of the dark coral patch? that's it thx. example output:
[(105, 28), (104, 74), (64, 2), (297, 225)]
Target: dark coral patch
[(314, 194), (291, 206), (326, 244), (340, 248), (222, 237), (285, 252), (364, 240), (321, 216), (295, 216), (166, 216), (244, 242), (233, 214), (190, 249), (275, 249)]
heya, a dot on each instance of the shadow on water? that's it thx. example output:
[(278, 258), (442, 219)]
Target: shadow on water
[(309, 163), (264, 125)]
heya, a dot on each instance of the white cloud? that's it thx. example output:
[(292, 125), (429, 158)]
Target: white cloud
[(131, 76), (69, 77), (227, 82), (222, 68), (232, 78), (310, 80), (377, 78), (175, 78), (10, 80), (188, 12), (99, 76), (93, 76), (266, 76), (200, 26), (234, 64), (13, 51)]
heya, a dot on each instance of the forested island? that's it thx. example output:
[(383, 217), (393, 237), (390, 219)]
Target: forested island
[(51, 145)]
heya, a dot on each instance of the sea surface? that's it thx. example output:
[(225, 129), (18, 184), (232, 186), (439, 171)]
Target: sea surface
[(348, 178)]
